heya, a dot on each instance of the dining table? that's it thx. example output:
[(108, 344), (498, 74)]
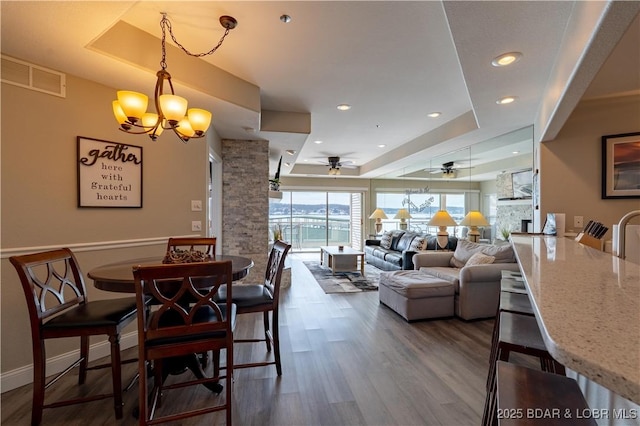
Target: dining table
[(118, 277)]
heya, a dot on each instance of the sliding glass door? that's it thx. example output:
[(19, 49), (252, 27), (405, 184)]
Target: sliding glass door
[(310, 219)]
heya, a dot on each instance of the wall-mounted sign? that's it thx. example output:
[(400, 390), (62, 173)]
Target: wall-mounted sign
[(109, 174)]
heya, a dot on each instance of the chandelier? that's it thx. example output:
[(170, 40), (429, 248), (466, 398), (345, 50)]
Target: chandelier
[(130, 109)]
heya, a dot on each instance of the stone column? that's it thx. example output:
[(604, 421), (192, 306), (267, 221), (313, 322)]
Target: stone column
[(245, 202)]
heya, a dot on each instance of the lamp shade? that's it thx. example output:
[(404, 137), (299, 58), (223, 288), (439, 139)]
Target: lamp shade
[(402, 214), (184, 128), (474, 218), (442, 218), (199, 119), (378, 214), (133, 104), (119, 113), (173, 107)]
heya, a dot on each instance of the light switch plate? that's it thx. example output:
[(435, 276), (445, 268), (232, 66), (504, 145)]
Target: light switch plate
[(196, 205), (196, 225)]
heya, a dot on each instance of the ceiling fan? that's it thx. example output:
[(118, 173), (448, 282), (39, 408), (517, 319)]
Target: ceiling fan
[(448, 169), (335, 164)]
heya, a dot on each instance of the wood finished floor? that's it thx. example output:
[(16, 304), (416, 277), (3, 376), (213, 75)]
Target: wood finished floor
[(347, 360)]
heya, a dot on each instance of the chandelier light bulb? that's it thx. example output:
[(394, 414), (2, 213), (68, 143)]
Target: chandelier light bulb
[(133, 104), (121, 117), (149, 121), (185, 129), (173, 107), (200, 119)]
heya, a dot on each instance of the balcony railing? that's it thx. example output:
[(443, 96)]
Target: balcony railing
[(310, 232)]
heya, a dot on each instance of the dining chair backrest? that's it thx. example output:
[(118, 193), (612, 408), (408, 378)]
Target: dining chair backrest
[(58, 307), (52, 283), (190, 249), (264, 297), (275, 266), (168, 285), (187, 321)]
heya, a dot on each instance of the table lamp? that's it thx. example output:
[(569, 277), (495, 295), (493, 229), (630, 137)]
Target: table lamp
[(403, 215), (378, 215), (442, 219), (473, 219)]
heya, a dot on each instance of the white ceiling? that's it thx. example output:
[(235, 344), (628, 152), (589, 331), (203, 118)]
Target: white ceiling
[(392, 61)]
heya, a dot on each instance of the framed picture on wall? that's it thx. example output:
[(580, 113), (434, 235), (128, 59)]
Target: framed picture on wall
[(109, 174), (621, 165)]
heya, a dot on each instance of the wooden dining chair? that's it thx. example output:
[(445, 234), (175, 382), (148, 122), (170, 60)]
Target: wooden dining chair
[(182, 330), (58, 307), (190, 249), (252, 298)]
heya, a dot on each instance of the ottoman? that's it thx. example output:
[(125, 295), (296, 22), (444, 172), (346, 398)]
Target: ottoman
[(415, 295)]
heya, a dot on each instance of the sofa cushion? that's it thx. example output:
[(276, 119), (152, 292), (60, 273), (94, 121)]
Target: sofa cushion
[(393, 257), (376, 251), (479, 259), (385, 240), (445, 273), (404, 242), (503, 253), (464, 251), (395, 238)]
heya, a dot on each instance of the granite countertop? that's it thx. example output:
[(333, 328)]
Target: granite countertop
[(587, 303)]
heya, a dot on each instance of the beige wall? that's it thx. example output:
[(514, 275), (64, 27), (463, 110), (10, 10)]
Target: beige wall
[(39, 206), (570, 165)]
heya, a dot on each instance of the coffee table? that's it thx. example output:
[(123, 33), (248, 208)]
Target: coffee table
[(343, 259)]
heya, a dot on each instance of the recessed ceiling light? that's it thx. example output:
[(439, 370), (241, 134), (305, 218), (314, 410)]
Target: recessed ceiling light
[(306, 159), (381, 145), (434, 114), (287, 164), (291, 152), (285, 18), (506, 59), (344, 107), (318, 142), (516, 152), (506, 100)]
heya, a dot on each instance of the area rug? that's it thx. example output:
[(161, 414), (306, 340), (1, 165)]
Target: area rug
[(344, 282)]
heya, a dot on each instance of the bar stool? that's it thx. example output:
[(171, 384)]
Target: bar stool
[(516, 303), (512, 285), (516, 333), (530, 397)]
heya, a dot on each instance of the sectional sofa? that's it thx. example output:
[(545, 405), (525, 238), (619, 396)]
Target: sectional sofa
[(395, 250)]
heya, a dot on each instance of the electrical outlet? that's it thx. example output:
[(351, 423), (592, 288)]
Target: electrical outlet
[(578, 222), (196, 225), (196, 205)]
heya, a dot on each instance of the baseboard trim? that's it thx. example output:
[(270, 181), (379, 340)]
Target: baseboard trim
[(24, 375)]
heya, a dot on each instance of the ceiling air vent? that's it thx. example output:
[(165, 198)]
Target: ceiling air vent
[(29, 76)]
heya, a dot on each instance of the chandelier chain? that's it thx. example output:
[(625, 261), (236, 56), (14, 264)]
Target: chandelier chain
[(166, 24)]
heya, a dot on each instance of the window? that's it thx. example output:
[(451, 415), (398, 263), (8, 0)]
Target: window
[(310, 219), (421, 206)]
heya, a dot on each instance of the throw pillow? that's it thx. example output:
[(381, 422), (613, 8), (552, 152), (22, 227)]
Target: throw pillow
[(479, 259), (464, 250), (385, 240), (418, 243)]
